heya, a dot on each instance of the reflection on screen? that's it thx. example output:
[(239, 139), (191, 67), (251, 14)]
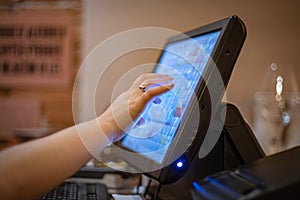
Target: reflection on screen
[(152, 132)]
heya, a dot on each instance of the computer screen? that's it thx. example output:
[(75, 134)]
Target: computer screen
[(167, 135), (184, 60)]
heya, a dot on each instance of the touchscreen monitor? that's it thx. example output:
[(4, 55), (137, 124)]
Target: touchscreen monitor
[(184, 60), (167, 135)]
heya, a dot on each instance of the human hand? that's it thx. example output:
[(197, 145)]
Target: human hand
[(122, 112)]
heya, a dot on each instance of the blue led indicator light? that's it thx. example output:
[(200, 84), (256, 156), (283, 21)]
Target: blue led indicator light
[(179, 164)]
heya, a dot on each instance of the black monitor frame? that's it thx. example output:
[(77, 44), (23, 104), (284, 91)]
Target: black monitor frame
[(227, 49)]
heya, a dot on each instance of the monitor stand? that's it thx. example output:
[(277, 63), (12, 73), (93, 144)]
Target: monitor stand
[(236, 146)]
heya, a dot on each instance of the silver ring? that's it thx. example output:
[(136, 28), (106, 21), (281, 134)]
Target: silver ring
[(142, 87)]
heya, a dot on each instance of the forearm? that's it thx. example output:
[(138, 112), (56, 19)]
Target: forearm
[(33, 168)]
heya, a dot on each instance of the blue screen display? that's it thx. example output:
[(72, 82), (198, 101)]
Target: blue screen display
[(153, 131)]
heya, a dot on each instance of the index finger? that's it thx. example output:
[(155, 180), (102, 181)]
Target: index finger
[(148, 76), (150, 93)]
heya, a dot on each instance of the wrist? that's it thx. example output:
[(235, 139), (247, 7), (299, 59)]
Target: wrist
[(107, 127), (93, 137), (110, 128)]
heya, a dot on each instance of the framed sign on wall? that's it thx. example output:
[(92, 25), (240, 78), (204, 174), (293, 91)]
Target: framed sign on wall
[(36, 48)]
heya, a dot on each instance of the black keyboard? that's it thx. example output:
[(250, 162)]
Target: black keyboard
[(78, 191)]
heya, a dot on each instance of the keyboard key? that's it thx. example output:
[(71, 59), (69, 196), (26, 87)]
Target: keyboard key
[(78, 191)]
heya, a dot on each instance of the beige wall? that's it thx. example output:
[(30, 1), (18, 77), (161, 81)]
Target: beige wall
[(273, 36)]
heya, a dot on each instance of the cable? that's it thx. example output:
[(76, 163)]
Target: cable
[(147, 187), (157, 191), (139, 184)]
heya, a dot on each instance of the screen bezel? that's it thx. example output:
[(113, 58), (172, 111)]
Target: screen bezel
[(164, 174), (187, 111)]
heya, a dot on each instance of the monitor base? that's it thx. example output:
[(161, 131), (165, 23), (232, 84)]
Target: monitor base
[(236, 146)]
